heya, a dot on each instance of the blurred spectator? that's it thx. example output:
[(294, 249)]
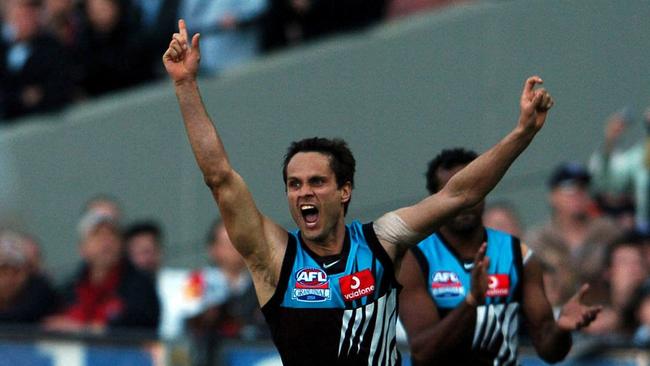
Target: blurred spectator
[(62, 19), (25, 296), (638, 315), (626, 270), (616, 171), (144, 246), (502, 216), (33, 254), (110, 58), (229, 30), (104, 204), (238, 315), (107, 291), (289, 22), (35, 76), (156, 20), (572, 243)]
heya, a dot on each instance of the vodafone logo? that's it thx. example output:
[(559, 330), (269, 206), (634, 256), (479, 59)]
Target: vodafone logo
[(357, 285), (498, 285)]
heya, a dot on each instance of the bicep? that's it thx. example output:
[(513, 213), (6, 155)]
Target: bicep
[(253, 235), (417, 310)]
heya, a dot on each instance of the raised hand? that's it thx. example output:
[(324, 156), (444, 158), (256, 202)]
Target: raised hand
[(575, 314), (479, 277), (534, 105), (614, 128), (182, 59)]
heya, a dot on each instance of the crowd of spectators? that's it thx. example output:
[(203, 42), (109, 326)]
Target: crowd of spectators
[(56, 52), (122, 287)]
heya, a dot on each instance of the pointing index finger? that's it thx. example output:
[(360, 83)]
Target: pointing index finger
[(182, 29)]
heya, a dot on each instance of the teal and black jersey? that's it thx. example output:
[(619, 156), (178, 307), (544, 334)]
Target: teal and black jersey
[(341, 311), (448, 280)]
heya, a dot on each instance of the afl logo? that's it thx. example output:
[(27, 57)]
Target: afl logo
[(312, 285), (446, 284)]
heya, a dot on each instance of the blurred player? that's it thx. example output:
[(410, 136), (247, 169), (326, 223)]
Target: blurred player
[(466, 285)]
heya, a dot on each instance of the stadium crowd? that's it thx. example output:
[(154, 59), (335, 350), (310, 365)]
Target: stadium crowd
[(57, 52)]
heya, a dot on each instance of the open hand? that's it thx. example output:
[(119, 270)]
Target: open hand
[(534, 105), (479, 277), (575, 314), (181, 59)]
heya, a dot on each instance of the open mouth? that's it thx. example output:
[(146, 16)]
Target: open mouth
[(309, 214)]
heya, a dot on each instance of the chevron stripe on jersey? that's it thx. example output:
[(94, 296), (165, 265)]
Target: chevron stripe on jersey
[(448, 279), (321, 317)]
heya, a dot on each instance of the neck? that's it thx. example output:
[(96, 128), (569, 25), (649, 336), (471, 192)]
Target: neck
[(465, 243), (331, 244)]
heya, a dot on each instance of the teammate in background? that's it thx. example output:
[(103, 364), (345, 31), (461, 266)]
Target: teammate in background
[(328, 277), (466, 285)]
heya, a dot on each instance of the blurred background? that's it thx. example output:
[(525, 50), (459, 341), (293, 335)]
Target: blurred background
[(96, 172)]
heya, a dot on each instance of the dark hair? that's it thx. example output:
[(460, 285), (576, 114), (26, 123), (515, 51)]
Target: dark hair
[(447, 159), (341, 159), (144, 227)]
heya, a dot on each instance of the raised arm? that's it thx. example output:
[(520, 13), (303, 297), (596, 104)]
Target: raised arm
[(258, 239), (469, 186)]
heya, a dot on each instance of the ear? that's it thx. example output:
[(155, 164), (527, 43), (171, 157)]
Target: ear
[(346, 192)]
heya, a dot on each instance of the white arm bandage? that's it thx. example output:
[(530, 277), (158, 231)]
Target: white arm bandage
[(390, 228)]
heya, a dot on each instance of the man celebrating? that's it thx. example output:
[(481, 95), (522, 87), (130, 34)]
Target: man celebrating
[(329, 278), (461, 307)]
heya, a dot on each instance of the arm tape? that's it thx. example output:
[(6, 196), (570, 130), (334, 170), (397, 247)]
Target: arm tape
[(390, 228)]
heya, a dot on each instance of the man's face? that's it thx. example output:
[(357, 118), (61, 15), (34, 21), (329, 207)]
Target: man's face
[(102, 246), (144, 252), (468, 219), (315, 202), (628, 268), (570, 199), (12, 279)]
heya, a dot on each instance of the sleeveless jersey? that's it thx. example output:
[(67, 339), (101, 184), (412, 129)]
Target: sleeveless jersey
[(324, 315), (448, 281)]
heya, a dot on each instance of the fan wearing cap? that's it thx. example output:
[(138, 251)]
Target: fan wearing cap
[(107, 291), (25, 296), (572, 242)]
